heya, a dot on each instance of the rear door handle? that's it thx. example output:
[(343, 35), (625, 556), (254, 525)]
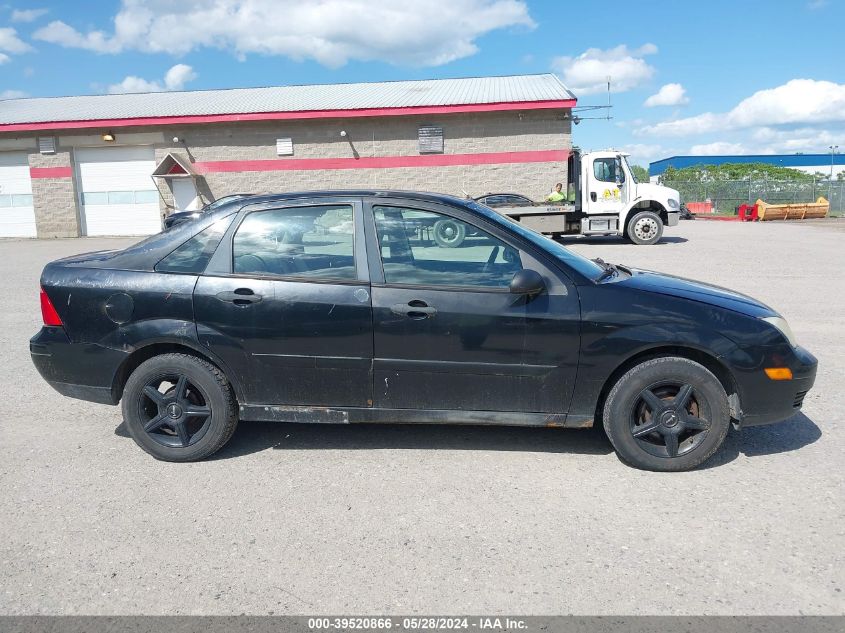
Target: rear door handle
[(240, 297), (415, 309)]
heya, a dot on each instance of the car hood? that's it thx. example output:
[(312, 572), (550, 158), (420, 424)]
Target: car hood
[(672, 286)]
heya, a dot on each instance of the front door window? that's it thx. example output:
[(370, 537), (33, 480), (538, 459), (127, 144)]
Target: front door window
[(423, 248)]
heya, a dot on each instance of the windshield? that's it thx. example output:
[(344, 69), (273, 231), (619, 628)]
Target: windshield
[(587, 267), (629, 170)]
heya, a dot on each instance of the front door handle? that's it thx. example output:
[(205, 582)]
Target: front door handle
[(240, 297), (593, 196), (415, 309)]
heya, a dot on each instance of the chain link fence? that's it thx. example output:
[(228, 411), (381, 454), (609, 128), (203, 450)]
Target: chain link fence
[(727, 195)]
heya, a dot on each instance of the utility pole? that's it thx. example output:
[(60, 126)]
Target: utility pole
[(833, 149)]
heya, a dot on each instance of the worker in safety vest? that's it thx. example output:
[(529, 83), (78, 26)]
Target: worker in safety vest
[(556, 195)]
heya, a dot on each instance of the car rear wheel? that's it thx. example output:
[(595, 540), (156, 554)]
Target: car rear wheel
[(179, 408), (645, 228), (449, 233), (667, 414)]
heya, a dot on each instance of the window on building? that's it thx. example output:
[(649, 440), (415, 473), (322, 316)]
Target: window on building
[(15, 200), (120, 197), (309, 242), (431, 249)]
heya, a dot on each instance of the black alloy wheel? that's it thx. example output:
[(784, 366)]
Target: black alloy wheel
[(667, 420), (666, 414), (179, 407), (175, 411)]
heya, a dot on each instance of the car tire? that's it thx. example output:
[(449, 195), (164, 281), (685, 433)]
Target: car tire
[(645, 228), (652, 429), (179, 408), (449, 233)]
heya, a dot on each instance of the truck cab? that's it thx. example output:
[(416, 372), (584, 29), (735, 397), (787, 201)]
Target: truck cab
[(604, 198)]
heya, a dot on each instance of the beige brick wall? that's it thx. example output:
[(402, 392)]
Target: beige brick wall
[(56, 199)]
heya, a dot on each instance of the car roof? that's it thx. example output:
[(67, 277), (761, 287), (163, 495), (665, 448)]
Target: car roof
[(350, 193), (504, 193)]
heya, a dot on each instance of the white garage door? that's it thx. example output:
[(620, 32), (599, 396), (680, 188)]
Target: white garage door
[(118, 194), (17, 218)]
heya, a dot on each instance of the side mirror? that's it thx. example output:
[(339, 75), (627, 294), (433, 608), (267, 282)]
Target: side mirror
[(527, 282)]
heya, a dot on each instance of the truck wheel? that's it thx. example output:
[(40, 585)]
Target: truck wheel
[(645, 228), (667, 414), (449, 233), (179, 408)]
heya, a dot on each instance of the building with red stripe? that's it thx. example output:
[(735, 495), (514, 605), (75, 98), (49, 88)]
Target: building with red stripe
[(115, 164)]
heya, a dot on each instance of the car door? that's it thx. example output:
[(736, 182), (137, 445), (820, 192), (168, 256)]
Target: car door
[(447, 332), (285, 302)]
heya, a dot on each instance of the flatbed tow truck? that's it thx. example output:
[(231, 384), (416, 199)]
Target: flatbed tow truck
[(604, 198)]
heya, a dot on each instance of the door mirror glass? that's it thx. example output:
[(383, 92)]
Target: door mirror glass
[(527, 282)]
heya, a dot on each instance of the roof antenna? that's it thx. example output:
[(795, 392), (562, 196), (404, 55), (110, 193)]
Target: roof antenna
[(576, 118)]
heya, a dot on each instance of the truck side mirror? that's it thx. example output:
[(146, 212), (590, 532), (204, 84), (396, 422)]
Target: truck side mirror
[(527, 282)]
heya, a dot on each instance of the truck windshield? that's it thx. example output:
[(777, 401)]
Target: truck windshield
[(629, 170), (586, 267)]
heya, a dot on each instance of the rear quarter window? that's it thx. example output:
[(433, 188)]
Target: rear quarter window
[(193, 256)]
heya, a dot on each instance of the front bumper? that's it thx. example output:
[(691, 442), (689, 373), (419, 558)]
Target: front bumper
[(78, 370), (766, 401)]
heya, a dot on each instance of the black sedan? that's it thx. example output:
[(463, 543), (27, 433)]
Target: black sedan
[(186, 216), (333, 307)]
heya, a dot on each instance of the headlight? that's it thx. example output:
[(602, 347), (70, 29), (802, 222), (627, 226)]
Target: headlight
[(673, 204), (781, 324)]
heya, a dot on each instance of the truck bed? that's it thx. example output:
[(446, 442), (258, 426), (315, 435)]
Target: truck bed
[(538, 209)]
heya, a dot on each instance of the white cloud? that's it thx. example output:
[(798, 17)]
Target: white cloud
[(797, 102), (720, 147), (28, 15), (668, 95), (588, 72), (4, 59), (645, 153), (12, 94), (11, 43), (332, 32), (174, 79)]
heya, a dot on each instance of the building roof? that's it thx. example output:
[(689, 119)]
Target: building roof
[(309, 101), (782, 160)]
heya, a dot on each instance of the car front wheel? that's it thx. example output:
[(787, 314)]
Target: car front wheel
[(179, 408), (667, 414)]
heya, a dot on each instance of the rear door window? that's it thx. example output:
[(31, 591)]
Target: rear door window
[(310, 242)]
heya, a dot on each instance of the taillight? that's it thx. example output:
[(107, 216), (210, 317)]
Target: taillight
[(48, 312)]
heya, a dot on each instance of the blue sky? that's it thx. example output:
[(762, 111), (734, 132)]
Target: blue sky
[(688, 77)]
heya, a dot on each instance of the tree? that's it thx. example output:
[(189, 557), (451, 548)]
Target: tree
[(640, 173), (734, 171)]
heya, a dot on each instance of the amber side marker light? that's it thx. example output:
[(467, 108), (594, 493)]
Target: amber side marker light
[(779, 373)]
